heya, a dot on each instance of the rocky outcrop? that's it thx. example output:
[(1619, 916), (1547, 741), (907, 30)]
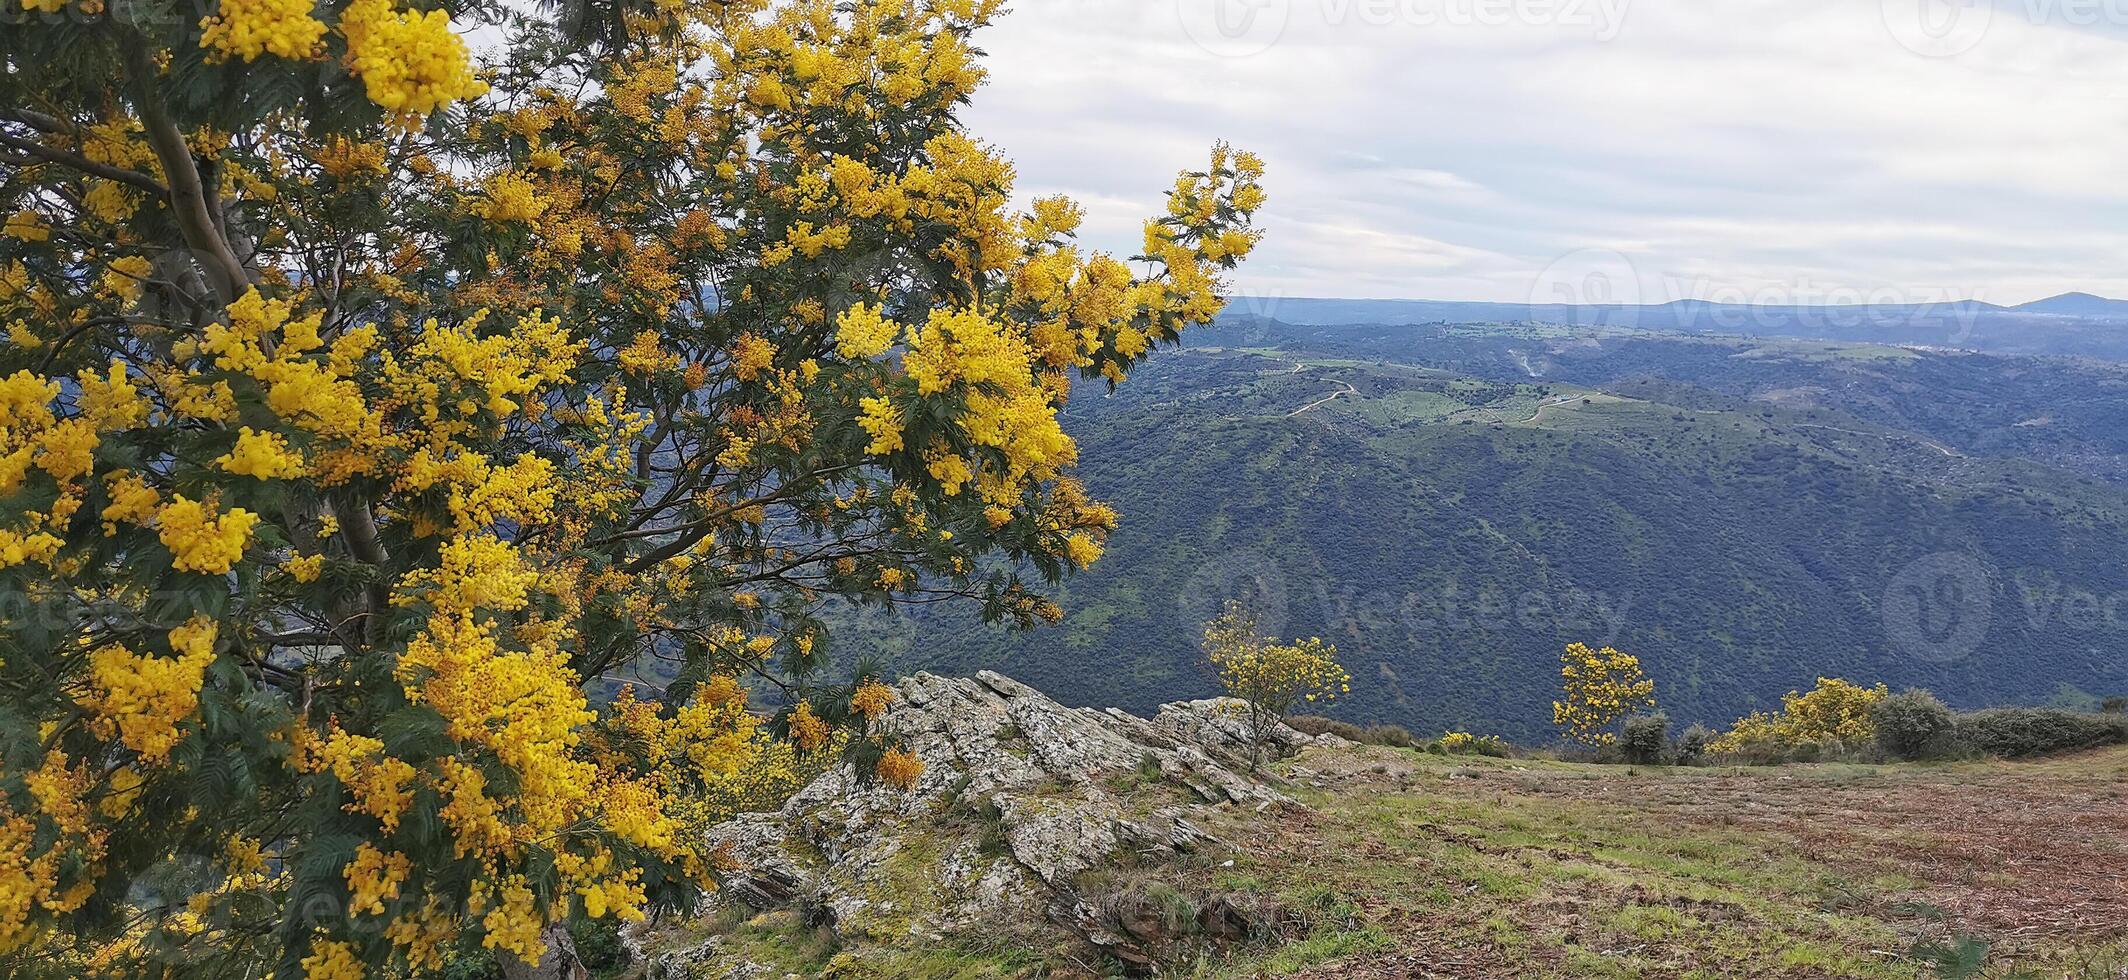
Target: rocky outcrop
[(1020, 796)]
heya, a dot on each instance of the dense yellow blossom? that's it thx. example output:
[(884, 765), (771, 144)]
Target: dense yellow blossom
[(899, 768), (381, 785), (27, 224), (249, 28), (808, 730), (752, 355), (509, 197), (304, 569), (871, 699), (331, 960), (143, 698), (410, 63), (1600, 688), (883, 423), (1833, 713), (373, 878), (201, 540), (111, 401), (262, 455), (132, 500), (862, 332)]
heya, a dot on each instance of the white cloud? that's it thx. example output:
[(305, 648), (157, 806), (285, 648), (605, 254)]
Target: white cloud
[(1441, 149)]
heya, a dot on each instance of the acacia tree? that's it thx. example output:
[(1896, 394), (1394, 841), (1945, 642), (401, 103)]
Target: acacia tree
[(1270, 679), (365, 397), (1598, 688)]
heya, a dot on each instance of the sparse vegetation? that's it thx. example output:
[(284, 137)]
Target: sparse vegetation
[(1319, 725), (1550, 870)]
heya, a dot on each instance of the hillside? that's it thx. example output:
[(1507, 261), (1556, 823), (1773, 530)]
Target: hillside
[(1048, 841), (2071, 413), (2075, 324), (1451, 530)]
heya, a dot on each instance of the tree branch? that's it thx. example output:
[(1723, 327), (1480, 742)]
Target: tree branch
[(359, 529), (76, 161), (187, 195), (36, 120)]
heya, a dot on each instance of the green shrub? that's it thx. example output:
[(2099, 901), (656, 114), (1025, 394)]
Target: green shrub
[(2018, 732), (1319, 725), (1913, 725), (1645, 738), (1396, 735), (1692, 745), (598, 943), (2115, 706)]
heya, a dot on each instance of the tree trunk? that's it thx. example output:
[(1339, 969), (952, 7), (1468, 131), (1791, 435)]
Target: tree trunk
[(560, 963)]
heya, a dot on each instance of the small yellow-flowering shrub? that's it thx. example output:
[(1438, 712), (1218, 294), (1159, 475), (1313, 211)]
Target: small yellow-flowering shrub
[(1598, 689), (1465, 743), (1831, 716), (366, 395), (1270, 678)]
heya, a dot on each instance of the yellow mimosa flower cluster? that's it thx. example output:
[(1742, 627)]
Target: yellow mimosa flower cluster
[(410, 63), (201, 539), (249, 28), (142, 698), (262, 455)]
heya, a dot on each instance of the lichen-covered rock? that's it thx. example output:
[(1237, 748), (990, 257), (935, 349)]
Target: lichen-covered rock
[(1019, 796)]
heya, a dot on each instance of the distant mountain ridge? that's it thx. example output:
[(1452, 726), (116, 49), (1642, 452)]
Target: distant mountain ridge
[(2078, 324), (2077, 304)]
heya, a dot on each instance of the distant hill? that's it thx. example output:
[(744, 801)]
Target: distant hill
[(2079, 305), (2072, 324), (1746, 516), (2067, 413)]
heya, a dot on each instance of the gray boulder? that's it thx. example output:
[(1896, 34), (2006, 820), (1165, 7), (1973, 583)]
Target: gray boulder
[(1019, 797)]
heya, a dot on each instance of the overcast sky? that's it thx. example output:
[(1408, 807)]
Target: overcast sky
[(1777, 150)]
